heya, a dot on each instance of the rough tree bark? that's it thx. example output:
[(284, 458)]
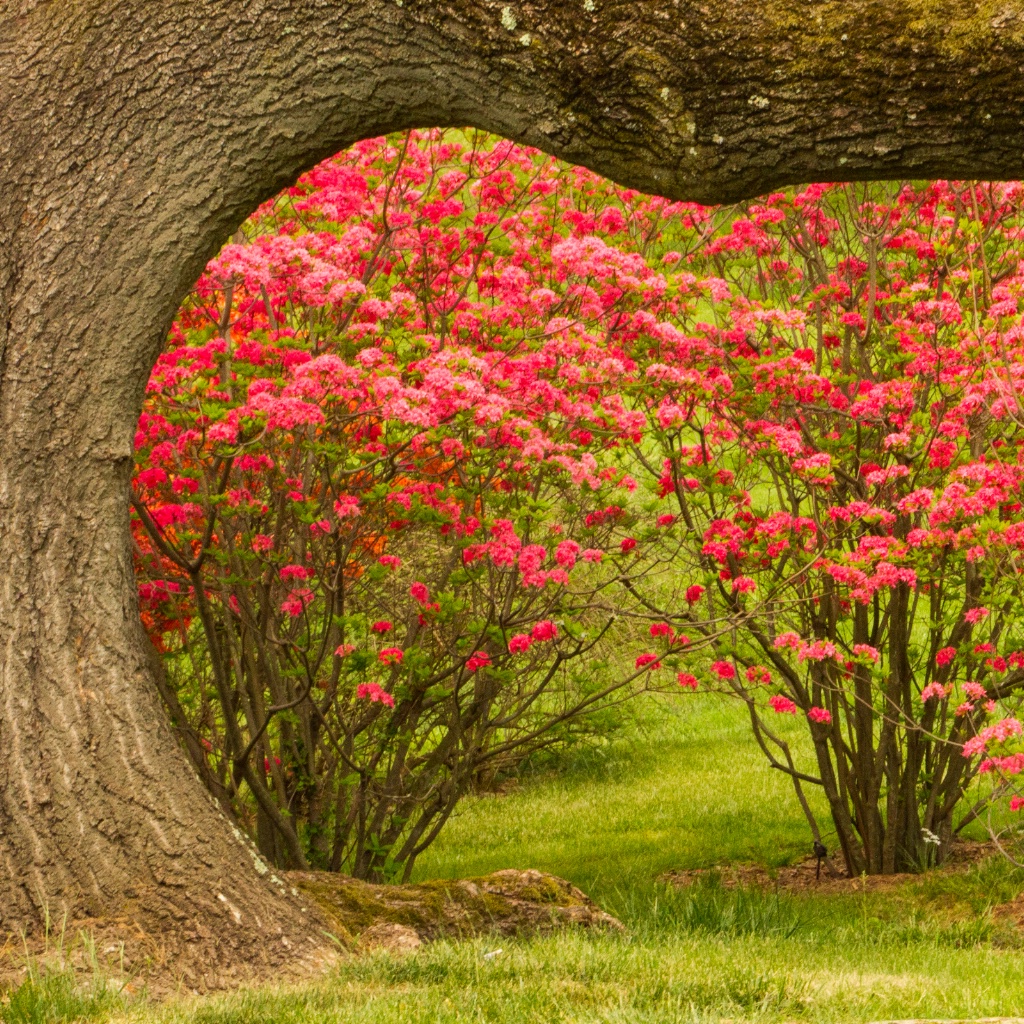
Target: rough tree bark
[(135, 137)]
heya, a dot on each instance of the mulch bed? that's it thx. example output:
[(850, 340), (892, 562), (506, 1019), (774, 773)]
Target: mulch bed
[(804, 876)]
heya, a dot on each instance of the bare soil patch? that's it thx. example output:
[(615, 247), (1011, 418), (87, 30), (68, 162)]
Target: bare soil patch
[(832, 878)]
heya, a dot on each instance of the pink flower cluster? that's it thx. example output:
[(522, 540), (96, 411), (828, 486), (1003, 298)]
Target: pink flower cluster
[(477, 661), (564, 396), (376, 693)]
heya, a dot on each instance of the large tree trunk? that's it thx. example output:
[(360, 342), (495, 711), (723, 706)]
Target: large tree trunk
[(135, 137), (100, 813)]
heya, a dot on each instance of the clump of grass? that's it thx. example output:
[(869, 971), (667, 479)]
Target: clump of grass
[(56, 994), (706, 907), (918, 929), (57, 997), (993, 881)]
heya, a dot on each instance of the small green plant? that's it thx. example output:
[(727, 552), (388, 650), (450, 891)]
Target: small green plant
[(52, 993)]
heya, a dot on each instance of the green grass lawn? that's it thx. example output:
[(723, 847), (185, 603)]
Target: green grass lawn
[(689, 789)]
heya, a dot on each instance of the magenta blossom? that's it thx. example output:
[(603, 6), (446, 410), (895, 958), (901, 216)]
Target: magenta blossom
[(783, 705), (544, 630)]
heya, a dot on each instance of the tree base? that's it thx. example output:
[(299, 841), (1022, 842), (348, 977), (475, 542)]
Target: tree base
[(164, 950)]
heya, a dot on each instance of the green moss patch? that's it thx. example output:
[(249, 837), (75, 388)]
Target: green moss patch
[(505, 902)]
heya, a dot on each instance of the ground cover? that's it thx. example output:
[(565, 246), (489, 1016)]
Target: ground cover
[(687, 791)]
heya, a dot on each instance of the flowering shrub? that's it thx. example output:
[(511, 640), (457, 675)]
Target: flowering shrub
[(363, 459), (449, 413), (833, 416)]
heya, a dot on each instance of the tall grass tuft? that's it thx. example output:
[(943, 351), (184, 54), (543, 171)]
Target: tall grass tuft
[(57, 995), (706, 907)]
